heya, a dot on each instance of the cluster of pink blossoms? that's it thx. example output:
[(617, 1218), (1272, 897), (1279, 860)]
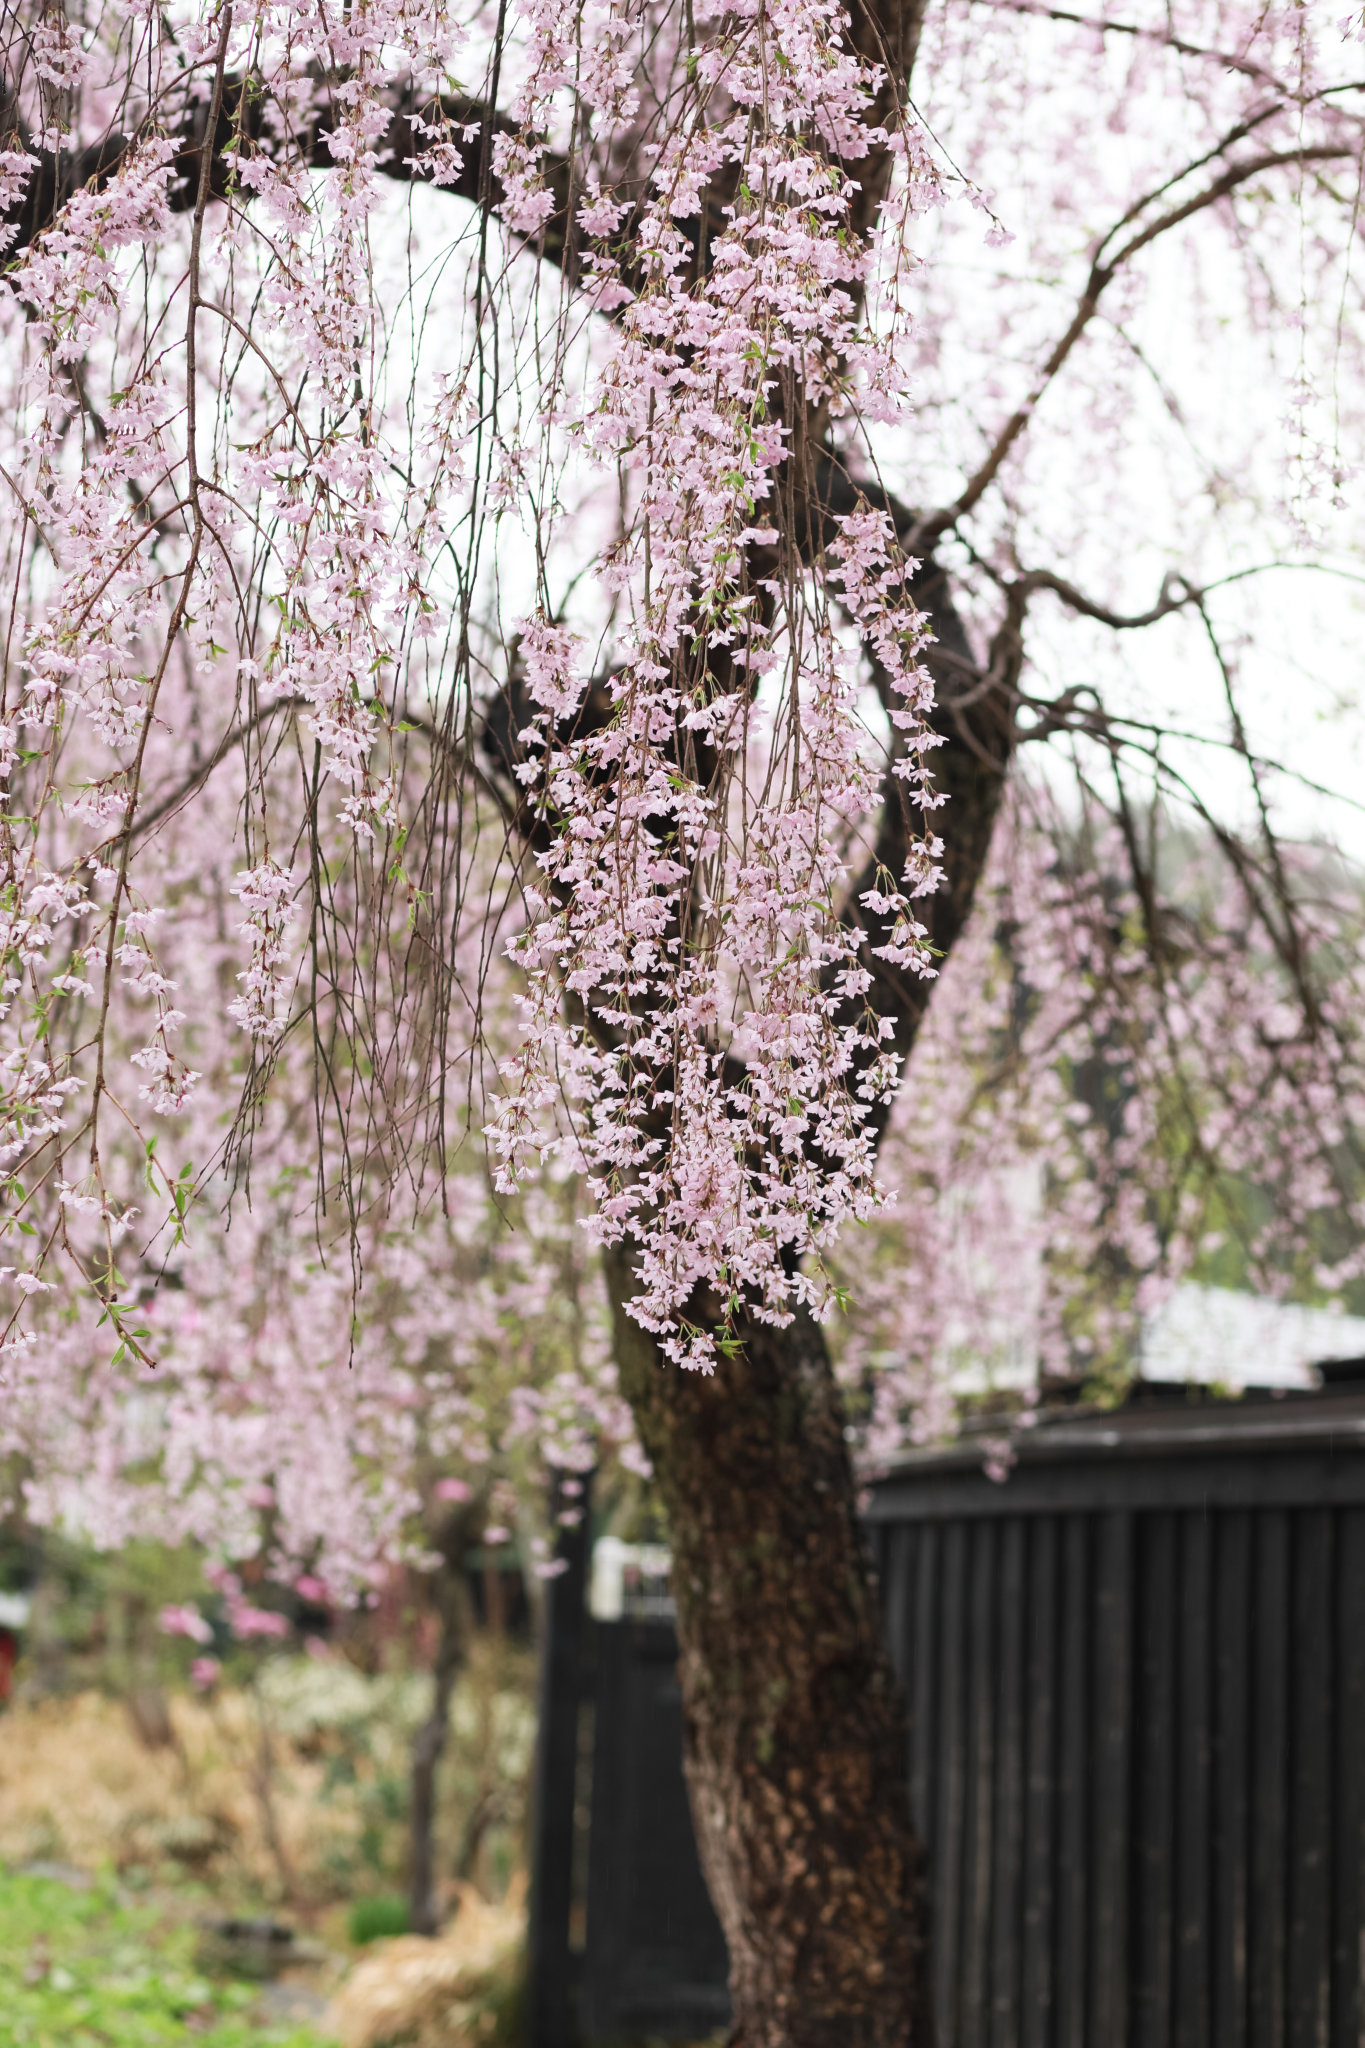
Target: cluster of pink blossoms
[(199, 491), (719, 1064)]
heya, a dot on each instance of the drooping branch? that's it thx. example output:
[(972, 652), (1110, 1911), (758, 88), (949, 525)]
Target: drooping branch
[(1103, 271), (1099, 24), (885, 35)]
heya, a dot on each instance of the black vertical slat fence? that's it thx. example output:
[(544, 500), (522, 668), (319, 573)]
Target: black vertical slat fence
[(655, 1962), (1073, 1783), (550, 2021), (1348, 1808), (1040, 1742), (1007, 1915), (1229, 1711), (1194, 1905), (1135, 1674)]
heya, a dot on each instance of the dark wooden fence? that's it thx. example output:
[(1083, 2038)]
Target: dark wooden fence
[(1136, 1676), (654, 1959), (1136, 1680)]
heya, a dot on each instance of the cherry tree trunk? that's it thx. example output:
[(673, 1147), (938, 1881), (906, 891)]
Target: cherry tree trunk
[(795, 1734)]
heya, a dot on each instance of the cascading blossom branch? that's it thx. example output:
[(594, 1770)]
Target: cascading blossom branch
[(182, 521), (221, 492), (716, 1057)]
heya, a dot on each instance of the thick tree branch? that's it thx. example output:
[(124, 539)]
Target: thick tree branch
[(969, 770), (401, 154)]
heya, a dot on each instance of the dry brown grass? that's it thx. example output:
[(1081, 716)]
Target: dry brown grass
[(289, 1792), (76, 1785), (435, 1994)]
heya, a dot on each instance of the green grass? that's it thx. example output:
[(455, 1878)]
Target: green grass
[(81, 1969)]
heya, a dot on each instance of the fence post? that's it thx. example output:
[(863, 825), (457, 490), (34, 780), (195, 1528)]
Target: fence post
[(550, 2019)]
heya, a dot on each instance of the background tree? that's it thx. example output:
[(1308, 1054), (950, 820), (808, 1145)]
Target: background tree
[(518, 486)]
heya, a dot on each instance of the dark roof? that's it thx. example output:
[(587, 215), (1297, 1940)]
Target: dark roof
[(1160, 1453)]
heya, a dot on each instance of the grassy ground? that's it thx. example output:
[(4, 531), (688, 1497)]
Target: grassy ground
[(90, 1969)]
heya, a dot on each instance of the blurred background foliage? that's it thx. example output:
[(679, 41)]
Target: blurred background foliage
[(138, 1806)]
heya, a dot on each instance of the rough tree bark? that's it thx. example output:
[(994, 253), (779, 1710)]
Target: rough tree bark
[(796, 1739)]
